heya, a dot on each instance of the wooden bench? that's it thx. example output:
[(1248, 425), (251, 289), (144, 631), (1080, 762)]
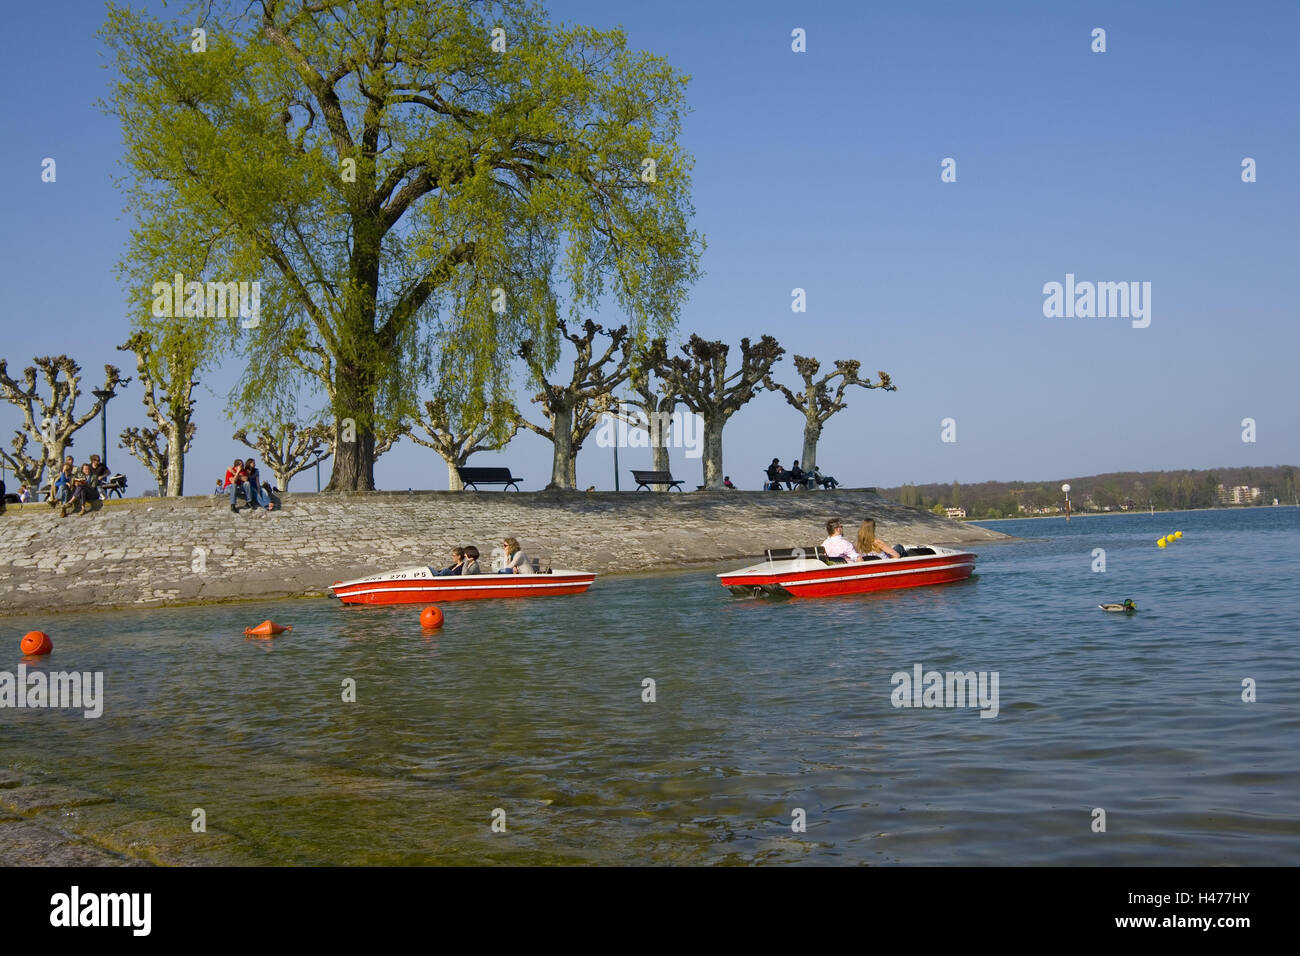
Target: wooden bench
[(646, 478), (471, 477)]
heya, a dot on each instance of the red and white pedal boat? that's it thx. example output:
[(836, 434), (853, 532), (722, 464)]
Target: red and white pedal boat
[(421, 585), (799, 572)]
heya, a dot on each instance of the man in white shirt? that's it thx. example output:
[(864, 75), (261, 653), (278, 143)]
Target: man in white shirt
[(836, 545)]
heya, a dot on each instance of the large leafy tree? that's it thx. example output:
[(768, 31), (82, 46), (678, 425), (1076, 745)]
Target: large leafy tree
[(818, 401), (575, 406), (700, 378), (367, 160)]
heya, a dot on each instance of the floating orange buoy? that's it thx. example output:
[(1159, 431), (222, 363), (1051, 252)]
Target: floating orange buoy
[(431, 616), (37, 643), (267, 629)]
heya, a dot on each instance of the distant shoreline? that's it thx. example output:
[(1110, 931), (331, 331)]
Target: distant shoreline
[(1135, 511)]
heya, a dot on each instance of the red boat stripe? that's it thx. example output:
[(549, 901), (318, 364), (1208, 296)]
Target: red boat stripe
[(873, 574), (494, 585)]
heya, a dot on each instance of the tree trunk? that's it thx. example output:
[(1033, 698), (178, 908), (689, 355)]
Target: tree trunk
[(175, 460), (812, 431), (453, 476), (713, 451), (160, 476), (281, 479), (562, 460), (659, 457)]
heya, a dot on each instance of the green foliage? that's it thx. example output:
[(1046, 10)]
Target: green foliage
[(377, 165)]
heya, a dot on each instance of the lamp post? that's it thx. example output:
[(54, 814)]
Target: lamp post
[(1066, 489), (103, 395)]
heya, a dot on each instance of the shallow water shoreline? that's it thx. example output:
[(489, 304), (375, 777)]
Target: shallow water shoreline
[(152, 552)]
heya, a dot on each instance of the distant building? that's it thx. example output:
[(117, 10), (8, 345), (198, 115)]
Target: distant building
[(1237, 494), (955, 512)]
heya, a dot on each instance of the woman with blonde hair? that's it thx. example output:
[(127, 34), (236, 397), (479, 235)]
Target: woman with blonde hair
[(516, 561), (868, 543)]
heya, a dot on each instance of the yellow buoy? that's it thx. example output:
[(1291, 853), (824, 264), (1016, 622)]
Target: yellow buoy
[(1178, 534), (1160, 543)]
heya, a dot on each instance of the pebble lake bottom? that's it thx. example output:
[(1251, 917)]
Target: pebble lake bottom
[(761, 709)]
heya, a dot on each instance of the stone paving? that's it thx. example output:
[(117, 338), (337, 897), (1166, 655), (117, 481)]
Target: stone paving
[(151, 552)]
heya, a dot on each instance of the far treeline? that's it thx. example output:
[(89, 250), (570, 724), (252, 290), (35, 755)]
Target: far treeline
[(1116, 491), (381, 210)]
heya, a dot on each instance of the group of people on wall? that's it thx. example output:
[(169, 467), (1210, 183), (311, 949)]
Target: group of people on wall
[(243, 478), (794, 477), (73, 489)]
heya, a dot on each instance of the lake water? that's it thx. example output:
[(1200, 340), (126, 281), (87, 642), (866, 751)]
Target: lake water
[(762, 709)]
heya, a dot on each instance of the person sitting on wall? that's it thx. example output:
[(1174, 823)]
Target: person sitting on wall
[(62, 487), (98, 471), (258, 496), (827, 482), (726, 482), (796, 475), (83, 493), (775, 475), (237, 480)]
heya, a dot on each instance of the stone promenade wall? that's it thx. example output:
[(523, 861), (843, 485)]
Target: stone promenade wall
[(146, 552)]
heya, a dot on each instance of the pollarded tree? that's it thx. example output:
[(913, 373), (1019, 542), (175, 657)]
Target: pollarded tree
[(167, 356), (289, 449), (574, 408), (818, 402), (152, 448), (365, 159), (458, 430), (653, 400), (700, 379), (49, 419)]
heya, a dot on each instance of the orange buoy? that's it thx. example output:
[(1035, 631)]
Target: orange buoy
[(37, 643), (267, 628), (431, 616)]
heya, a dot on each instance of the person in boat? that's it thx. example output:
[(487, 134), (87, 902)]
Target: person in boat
[(471, 561), (868, 543), (457, 562), (516, 561), (836, 545)]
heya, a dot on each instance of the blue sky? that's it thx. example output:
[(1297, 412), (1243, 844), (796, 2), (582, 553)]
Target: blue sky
[(821, 170)]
